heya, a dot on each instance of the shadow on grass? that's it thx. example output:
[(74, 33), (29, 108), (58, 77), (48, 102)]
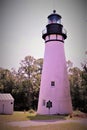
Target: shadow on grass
[(46, 117)]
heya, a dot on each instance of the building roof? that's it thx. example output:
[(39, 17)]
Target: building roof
[(6, 97)]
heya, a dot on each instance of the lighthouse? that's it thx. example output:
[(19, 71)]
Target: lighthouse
[(54, 95)]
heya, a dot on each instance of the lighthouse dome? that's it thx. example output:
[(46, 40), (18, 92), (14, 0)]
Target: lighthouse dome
[(54, 18)]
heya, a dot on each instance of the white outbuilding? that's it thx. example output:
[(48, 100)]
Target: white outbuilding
[(6, 103)]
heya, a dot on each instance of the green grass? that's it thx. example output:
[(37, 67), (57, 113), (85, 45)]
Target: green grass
[(47, 117), (21, 116), (17, 116)]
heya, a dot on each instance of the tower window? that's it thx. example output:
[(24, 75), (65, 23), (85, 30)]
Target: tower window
[(44, 102), (52, 83)]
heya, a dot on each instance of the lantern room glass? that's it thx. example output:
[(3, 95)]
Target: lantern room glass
[(54, 19)]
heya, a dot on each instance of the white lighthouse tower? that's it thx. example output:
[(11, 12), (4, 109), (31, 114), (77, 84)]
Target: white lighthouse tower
[(54, 96)]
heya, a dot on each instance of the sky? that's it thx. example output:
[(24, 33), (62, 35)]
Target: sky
[(22, 22)]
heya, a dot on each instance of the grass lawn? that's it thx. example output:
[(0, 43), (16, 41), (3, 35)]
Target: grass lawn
[(21, 116), (17, 116)]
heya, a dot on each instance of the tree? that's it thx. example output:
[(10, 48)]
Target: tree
[(27, 82), (75, 87), (84, 86), (78, 86), (6, 81)]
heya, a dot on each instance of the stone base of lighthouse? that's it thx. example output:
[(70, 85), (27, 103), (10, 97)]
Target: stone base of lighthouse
[(54, 81)]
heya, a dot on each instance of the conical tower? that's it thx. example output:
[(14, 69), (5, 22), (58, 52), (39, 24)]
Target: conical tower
[(54, 96)]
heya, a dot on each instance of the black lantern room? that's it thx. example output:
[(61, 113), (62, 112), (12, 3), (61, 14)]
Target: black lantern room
[(54, 26)]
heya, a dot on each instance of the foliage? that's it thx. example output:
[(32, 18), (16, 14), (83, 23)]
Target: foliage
[(78, 86), (32, 111), (24, 84), (6, 81)]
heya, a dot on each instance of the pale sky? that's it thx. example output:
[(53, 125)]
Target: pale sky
[(22, 22)]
